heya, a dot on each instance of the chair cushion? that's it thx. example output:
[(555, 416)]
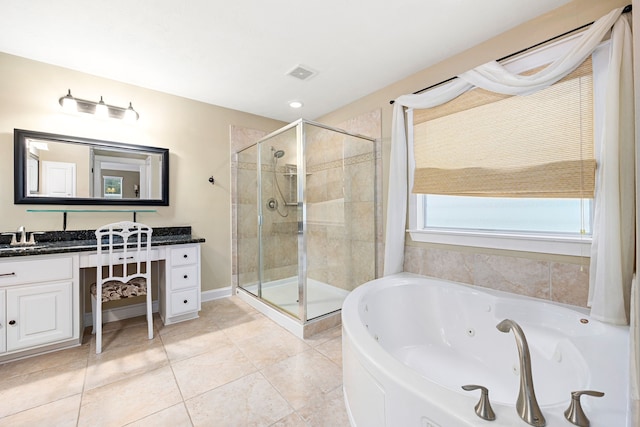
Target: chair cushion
[(113, 289)]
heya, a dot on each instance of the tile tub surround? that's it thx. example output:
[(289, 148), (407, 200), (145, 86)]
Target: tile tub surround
[(556, 281), (232, 366)]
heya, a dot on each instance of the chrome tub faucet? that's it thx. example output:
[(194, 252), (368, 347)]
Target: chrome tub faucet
[(527, 404)]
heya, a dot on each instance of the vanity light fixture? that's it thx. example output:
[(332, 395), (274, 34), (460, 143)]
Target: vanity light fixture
[(100, 109)]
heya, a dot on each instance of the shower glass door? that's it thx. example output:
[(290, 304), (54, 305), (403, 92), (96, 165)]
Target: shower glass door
[(278, 229), (247, 242)]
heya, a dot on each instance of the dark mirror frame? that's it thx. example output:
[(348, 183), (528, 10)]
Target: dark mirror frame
[(20, 138)]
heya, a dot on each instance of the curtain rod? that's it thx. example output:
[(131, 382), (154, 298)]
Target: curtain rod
[(627, 9)]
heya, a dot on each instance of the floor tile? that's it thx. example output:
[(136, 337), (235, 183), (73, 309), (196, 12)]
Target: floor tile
[(272, 346), (206, 371), (42, 362), (291, 420), (122, 337), (304, 377), (183, 346), (129, 400), (174, 416), (249, 401), (332, 349), (61, 413), (41, 387), (324, 336), (117, 363), (328, 410), (232, 366)]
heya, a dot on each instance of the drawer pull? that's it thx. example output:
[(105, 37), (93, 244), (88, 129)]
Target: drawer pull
[(185, 276), (12, 322), (129, 257), (8, 274), (185, 301), (185, 256)]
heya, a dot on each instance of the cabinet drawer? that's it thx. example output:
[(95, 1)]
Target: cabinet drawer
[(33, 270), (184, 255), (120, 257), (184, 277), (184, 301)]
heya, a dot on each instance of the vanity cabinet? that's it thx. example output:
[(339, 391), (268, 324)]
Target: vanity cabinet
[(39, 307), (180, 291)]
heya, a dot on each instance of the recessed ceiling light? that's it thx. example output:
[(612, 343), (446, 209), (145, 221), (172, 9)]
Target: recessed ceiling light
[(295, 104)]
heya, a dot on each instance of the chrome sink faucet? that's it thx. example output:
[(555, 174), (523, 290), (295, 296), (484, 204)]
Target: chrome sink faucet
[(23, 235), (526, 405), (19, 238)]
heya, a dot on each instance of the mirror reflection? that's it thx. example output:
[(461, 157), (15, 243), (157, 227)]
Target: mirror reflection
[(70, 170)]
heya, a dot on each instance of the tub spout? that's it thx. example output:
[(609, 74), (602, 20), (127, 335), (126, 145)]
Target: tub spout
[(526, 405)]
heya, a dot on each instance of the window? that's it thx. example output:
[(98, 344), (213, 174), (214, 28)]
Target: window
[(112, 187), (508, 172)]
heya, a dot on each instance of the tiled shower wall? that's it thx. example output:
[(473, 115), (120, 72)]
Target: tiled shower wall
[(344, 181), (341, 244)]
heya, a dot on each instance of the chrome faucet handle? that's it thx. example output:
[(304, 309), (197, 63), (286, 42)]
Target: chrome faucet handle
[(483, 407), (574, 413), (32, 237), (14, 241)]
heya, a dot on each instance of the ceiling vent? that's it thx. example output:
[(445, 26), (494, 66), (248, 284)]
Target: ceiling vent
[(302, 72)]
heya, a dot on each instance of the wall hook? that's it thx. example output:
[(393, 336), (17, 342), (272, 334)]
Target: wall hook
[(211, 180)]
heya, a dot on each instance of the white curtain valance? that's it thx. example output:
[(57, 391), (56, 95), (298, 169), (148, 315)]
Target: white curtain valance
[(491, 76)]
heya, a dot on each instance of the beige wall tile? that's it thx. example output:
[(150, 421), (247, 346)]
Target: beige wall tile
[(450, 265), (510, 274), (570, 283)]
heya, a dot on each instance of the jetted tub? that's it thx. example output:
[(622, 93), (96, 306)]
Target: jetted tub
[(410, 342)]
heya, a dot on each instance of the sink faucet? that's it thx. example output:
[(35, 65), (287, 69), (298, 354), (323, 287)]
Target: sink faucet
[(23, 235), (526, 405)]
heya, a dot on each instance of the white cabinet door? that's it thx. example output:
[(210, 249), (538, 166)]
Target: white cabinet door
[(3, 326), (39, 314), (59, 179)]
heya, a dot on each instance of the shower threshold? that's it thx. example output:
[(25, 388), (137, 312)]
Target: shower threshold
[(323, 303)]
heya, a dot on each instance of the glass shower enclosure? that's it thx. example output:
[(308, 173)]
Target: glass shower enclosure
[(305, 218)]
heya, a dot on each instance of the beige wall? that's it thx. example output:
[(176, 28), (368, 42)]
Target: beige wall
[(196, 134), (478, 265)]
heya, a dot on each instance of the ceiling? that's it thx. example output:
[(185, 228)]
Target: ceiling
[(236, 54)]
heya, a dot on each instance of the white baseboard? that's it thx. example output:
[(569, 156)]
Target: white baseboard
[(134, 310), (215, 294)]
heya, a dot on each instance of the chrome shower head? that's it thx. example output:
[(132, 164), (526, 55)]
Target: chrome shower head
[(277, 153)]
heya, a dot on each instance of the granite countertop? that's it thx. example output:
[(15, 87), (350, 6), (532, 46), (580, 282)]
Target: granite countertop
[(54, 242)]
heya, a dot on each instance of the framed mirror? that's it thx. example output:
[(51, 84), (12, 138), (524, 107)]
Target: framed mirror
[(68, 170)]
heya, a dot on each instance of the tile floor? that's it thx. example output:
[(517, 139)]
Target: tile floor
[(231, 367)]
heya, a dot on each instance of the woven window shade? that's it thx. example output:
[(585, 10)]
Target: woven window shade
[(492, 145)]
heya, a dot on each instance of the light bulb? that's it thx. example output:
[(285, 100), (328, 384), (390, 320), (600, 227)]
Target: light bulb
[(130, 115), (69, 103), (101, 109)]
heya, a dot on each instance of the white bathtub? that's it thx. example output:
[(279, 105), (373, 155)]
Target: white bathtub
[(410, 342)]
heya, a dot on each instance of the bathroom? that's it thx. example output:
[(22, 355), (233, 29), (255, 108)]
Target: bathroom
[(202, 147)]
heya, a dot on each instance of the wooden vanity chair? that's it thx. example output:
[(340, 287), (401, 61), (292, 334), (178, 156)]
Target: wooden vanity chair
[(123, 269)]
